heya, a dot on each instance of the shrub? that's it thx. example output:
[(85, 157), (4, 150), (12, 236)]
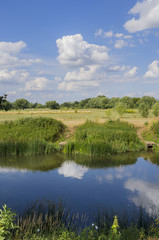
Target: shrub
[(7, 225)]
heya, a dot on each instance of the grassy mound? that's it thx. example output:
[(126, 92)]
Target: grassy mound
[(104, 139), (30, 136)]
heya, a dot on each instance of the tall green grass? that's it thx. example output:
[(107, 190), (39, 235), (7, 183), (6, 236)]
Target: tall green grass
[(45, 220), (30, 136), (104, 139)]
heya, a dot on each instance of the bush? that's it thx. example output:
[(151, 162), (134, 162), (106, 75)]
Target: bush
[(7, 225)]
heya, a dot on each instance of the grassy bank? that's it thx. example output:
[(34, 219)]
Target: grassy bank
[(104, 139), (151, 133), (30, 136), (50, 221)]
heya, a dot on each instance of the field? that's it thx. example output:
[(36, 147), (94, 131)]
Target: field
[(70, 118)]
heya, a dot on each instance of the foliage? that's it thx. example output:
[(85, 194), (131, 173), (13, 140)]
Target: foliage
[(4, 104), (30, 136), (21, 104), (52, 105), (114, 233), (44, 225), (144, 109), (150, 101), (100, 102), (7, 225), (155, 109), (104, 139), (108, 113), (120, 108)]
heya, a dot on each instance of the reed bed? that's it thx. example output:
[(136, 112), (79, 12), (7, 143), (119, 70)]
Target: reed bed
[(50, 220), (108, 138), (30, 136)]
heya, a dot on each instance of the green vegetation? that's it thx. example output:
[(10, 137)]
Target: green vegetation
[(104, 139), (100, 102), (55, 223), (120, 108), (30, 136), (152, 133), (155, 109)]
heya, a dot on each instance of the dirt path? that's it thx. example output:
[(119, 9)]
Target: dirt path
[(148, 143)]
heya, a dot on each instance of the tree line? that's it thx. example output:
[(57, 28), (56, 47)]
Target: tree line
[(144, 104)]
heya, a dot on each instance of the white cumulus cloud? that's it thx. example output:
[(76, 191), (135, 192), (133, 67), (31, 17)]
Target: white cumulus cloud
[(74, 51), (153, 70), (148, 11), (73, 86), (131, 73), (38, 84), (9, 55), (86, 59), (13, 76)]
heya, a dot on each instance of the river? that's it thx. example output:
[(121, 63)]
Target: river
[(85, 185)]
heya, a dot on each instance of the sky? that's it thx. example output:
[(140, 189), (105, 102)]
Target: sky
[(68, 50)]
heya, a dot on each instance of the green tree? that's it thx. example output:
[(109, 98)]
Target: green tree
[(2, 101), (144, 109), (52, 105), (21, 104), (120, 108), (155, 109), (150, 101)]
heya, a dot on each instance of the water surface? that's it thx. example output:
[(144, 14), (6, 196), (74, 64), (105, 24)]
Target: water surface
[(125, 181)]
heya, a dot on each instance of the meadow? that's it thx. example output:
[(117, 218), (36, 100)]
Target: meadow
[(21, 135), (72, 118)]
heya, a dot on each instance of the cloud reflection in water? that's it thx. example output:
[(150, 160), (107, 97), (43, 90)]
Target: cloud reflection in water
[(73, 170), (146, 194)]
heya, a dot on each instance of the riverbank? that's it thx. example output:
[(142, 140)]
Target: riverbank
[(100, 139), (107, 141), (30, 136)]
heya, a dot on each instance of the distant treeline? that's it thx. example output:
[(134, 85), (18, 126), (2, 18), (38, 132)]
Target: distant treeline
[(100, 102)]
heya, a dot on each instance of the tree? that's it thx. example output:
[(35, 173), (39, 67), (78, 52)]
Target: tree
[(150, 101), (21, 104), (144, 109), (52, 105), (155, 109), (120, 108), (4, 104)]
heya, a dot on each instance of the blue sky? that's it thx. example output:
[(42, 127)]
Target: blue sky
[(70, 50)]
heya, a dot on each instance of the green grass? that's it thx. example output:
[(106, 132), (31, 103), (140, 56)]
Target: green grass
[(104, 139), (152, 133), (29, 136)]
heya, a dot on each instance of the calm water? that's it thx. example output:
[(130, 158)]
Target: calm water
[(122, 182)]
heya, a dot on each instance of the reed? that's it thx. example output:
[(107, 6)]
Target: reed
[(30, 136), (104, 139), (49, 220)]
